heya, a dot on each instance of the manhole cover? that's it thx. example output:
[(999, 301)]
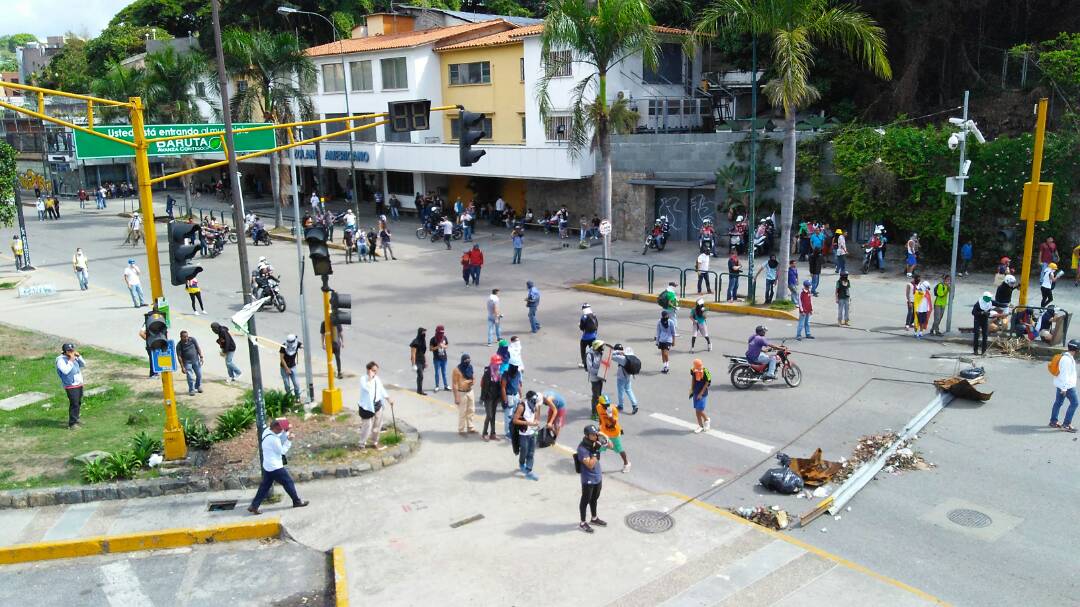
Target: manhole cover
[(649, 521), (969, 518)]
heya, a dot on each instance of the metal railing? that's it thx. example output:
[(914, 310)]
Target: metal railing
[(716, 279)]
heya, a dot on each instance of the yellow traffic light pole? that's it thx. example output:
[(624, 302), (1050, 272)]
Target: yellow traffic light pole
[(1036, 202), (331, 396)]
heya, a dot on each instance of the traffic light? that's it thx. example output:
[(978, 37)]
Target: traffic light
[(318, 251), (157, 331), (471, 130), (340, 309), (406, 116), (180, 252)]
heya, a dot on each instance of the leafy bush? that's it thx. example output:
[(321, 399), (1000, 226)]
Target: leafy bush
[(138, 418), (391, 438), (143, 445), (95, 472), (278, 404), (234, 421), (196, 433), (122, 465)]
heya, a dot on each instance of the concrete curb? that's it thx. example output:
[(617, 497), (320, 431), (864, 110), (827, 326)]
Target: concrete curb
[(132, 542), (79, 494), (689, 303), (341, 586)]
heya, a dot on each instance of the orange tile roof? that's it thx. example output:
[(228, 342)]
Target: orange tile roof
[(408, 39), (515, 35)]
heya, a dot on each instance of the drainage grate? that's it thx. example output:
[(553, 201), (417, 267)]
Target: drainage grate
[(222, 505), (969, 518), (649, 521)]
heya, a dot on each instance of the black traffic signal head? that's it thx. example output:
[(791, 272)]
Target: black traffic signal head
[(180, 252), (340, 309), (157, 332), (471, 131), (318, 251)]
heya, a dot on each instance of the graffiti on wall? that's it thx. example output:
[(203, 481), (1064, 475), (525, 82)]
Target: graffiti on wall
[(31, 180)]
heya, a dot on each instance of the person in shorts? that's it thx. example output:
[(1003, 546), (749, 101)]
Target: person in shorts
[(666, 332), (608, 417), (556, 400), (700, 380)]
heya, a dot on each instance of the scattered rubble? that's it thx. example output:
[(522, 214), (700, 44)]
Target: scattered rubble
[(870, 446), (773, 518), (815, 470)]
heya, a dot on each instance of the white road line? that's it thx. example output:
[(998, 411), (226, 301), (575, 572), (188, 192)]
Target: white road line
[(725, 436), (121, 585)]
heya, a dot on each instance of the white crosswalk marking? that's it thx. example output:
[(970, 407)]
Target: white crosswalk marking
[(724, 436), (121, 585)]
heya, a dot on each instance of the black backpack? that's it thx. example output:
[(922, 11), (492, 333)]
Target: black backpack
[(588, 324), (577, 463), (632, 366)]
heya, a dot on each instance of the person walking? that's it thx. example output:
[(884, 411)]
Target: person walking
[(517, 238), (966, 255), (494, 317), (594, 365), (417, 349), (701, 327), (69, 366), (372, 239), (666, 331), (816, 263), (702, 268), (770, 270), (40, 206), (466, 268), (438, 346), (491, 395), (511, 392), (840, 250), (463, 380), (287, 362), (274, 445), (608, 417), (1048, 254), (589, 326), (843, 300), (17, 251), (384, 242), (668, 300), (806, 310), (526, 422), (1047, 282), (227, 344), (336, 342), (982, 311), (700, 380), (532, 304), (195, 293), (793, 282), (447, 229), (941, 300), (911, 254), (909, 298), (79, 264), (922, 305), (587, 462), (476, 263), (373, 400), (134, 284), (1065, 386), (628, 366), (190, 357)]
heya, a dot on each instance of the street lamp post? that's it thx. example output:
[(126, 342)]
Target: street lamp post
[(955, 185), (288, 10)]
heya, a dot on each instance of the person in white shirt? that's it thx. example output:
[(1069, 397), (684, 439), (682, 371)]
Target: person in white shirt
[(1047, 279), (78, 262), (494, 317), (275, 443), (447, 231), (373, 398), (1065, 387), (702, 267), (134, 285), (315, 204), (350, 220)]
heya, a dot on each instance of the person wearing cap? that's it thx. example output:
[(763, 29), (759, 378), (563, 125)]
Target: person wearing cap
[(982, 311), (840, 250), (756, 348), (700, 380), (667, 329), (1004, 270), (806, 310), (592, 477), (275, 443), (69, 366), (1065, 387), (624, 382), (439, 357), (463, 379), (287, 363), (1047, 281), (843, 299), (190, 357), (589, 326), (373, 398), (134, 285), (608, 416), (227, 344), (532, 304), (491, 395)]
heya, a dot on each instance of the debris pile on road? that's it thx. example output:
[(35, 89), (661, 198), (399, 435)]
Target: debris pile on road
[(870, 446), (782, 479), (815, 470), (773, 518)]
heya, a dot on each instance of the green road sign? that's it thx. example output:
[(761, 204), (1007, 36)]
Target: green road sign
[(89, 146)]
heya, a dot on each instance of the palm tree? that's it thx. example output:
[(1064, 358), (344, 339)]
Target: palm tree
[(794, 27), (277, 73), (118, 83), (600, 34), (171, 84)]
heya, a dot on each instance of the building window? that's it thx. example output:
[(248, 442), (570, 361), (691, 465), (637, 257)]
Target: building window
[(455, 128), (241, 86), (394, 73), (521, 66), (392, 137), (360, 74), (669, 66), (558, 64), (366, 135), (470, 73), (333, 78), (398, 182), (558, 127), (334, 127)]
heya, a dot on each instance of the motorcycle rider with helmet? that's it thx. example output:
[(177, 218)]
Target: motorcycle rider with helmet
[(707, 239), (756, 349)]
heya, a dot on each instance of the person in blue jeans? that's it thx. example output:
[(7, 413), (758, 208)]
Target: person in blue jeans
[(274, 445), (494, 317), (518, 238), (817, 260), (511, 395), (527, 420), (287, 363), (793, 282), (1065, 387), (438, 346), (190, 357), (806, 310), (965, 259), (734, 268), (532, 302), (624, 382)]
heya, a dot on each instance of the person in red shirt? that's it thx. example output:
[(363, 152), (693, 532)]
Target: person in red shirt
[(1047, 253), (806, 309), (476, 262)]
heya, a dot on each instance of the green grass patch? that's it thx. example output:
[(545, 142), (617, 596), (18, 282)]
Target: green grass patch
[(782, 304), (605, 282), (391, 438)]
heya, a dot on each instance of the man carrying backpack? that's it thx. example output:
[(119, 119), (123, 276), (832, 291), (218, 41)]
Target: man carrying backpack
[(668, 300), (594, 365), (589, 326), (526, 424), (629, 366), (1065, 386)]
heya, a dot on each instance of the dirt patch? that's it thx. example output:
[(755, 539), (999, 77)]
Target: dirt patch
[(27, 344)]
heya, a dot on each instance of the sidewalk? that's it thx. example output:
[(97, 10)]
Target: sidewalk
[(526, 548)]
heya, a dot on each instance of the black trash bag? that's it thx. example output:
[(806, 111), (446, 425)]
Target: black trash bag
[(545, 437), (972, 373), (782, 479)]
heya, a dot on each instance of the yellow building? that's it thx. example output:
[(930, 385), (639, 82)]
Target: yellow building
[(487, 75)]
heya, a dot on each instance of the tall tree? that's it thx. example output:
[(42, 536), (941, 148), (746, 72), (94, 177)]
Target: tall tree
[(118, 42), (68, 70), (793, 28), (600, 34), (119, 83), (277, 73)]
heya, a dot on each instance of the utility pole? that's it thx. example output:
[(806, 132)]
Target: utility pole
[(961, 177), (1037, 197), (751, 212), (238, 219), (298, 233)]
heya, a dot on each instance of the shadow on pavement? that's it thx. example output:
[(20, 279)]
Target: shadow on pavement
[(1019, 429), (533, 530)]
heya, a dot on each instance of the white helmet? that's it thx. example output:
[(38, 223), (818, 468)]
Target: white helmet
[(877, 230), (706, 221), (262, 260), (1010, 280), (739, 218)]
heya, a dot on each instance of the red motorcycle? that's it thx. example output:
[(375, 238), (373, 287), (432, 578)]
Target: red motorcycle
[(745, 374)]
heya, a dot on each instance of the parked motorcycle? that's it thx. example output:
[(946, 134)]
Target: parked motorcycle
[(745, 374), (707, 245)]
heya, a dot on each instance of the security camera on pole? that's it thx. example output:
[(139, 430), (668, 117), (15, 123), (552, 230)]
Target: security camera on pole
[(955, 185)]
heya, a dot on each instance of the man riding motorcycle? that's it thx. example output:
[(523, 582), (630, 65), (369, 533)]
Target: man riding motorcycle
[(756, 348), (261, 278), (738, 234), (707, 239)]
